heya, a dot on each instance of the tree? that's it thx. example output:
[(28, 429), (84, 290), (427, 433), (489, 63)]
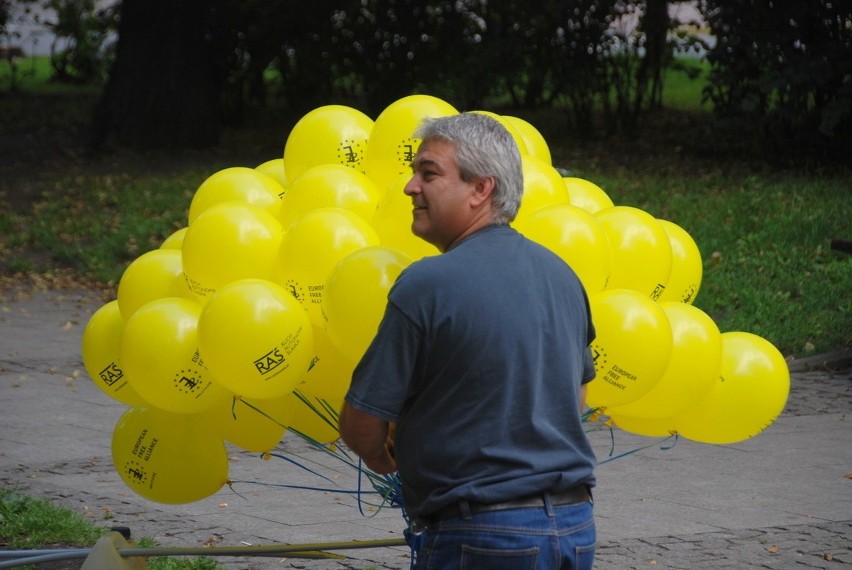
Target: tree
[(164, 86), (782, 74), (84, 27)]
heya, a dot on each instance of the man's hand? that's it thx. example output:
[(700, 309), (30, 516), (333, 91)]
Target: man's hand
[(371, 438)]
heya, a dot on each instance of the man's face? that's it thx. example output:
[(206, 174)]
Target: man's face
[(441, 199)]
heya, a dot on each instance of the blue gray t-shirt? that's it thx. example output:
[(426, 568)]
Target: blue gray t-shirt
[(479, 359)]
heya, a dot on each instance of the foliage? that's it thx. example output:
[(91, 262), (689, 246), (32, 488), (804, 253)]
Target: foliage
[(86, 29), (101, 223), (782, 74), (80, 53), (369, 53), (26, 522), (177, 562), (30, 523)]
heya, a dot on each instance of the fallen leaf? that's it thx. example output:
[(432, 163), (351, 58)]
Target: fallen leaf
[(849, 475), (827, 556), (223, 505), (772, 549)]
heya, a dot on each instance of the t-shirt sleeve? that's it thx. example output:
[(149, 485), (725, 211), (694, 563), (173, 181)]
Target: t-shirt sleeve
[(381, 380)]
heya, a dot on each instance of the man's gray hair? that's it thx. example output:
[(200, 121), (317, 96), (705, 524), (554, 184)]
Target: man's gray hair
[(484, 148)]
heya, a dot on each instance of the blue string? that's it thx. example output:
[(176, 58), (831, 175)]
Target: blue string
[(389, 487)]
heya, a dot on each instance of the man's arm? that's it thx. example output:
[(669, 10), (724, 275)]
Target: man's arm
[(369, 437)]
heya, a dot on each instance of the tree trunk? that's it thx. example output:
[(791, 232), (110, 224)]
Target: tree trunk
[(655, 24), (163, 90)]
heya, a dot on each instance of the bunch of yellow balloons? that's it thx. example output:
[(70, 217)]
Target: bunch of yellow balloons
[(252, 317), (662, 364)]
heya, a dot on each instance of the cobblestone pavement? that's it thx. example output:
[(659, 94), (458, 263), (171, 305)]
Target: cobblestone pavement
[(780, 500)]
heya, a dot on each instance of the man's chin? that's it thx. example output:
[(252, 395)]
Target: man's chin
[(420, 231)]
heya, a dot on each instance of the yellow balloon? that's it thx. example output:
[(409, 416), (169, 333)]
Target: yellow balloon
[(510, 126), (687, 268), (640, 248), (229, 242), (330, 372), (587, 195), (168, 458), (252, 425), (256, 338), (392, 144), (174, 240), (543, 186), (693, 367), (237, 184), (356, 294), (100, 349), (153, 275), (632, 348), (274, 168), (651, 427), (159, 351), (748, 396), (315, 418), (392, 222), (574, 235), (534, 142), (314, 244), (329, 186), (332, 134)]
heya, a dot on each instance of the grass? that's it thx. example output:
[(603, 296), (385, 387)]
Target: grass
[(100, 223), (765, 241), (34, 523), (28, 523), (683, 84), (34, 75), (763, 232)]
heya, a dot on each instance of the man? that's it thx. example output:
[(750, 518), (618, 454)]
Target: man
[(480, 362)]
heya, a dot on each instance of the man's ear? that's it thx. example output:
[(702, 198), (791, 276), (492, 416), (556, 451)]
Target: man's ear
[(483, 190)]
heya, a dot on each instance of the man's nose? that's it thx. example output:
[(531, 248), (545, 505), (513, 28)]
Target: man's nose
[(410, 186)]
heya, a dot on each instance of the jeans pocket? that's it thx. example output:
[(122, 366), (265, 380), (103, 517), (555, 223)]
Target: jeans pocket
[(477, 558), (584, 557)]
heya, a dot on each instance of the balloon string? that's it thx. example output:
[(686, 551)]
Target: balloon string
[(231, 487), (258, 410), (361, 494), (306, 487), (328, 415), (632, 451), (296, 463), (388, 486)]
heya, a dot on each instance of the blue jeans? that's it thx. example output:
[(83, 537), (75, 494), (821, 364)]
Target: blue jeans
[(550, 537)]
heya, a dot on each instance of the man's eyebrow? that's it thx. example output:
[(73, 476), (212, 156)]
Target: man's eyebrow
[(419, 161)]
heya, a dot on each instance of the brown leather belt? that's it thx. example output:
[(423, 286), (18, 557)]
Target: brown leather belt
[(576, 494)]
